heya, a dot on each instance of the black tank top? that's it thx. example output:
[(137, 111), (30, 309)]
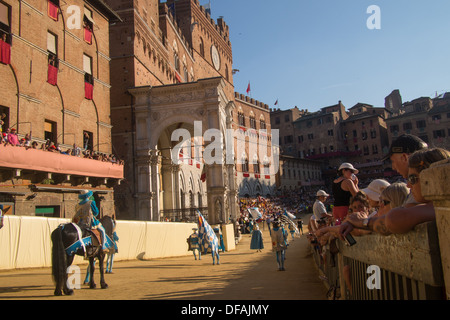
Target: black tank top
[(341, 197)]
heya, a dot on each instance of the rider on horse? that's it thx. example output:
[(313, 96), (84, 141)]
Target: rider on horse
[(86, 214)]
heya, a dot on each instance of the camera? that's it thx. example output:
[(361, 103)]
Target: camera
[(349, 240)]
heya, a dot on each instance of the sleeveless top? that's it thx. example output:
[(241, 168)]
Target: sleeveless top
[(341, 197)]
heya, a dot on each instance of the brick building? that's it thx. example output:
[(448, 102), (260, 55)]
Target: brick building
[(56, 87), (254, 170), (424, 117), (283, 120), (172, 70)]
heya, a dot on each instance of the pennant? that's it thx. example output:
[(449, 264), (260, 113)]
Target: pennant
[(276, 102), (248, 88)]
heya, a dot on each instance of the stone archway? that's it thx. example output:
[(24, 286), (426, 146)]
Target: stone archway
[(159, 111)]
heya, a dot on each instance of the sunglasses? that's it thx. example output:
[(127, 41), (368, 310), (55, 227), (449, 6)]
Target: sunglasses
[(413, 179)]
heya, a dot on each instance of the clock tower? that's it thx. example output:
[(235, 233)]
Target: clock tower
[(209, 40)]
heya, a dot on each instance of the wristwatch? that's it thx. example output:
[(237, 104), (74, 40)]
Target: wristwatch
[(366, 223)]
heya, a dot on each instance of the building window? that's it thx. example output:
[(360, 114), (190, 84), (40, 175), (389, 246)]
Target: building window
[(407, 126), (262, 124), (5, 34), (48, 211), (287, 118), (88, 26), (88, 140), (88, 78), (202, 48), (300, 139), (394, 128), (252, 122), (241, 119), (4, 118), (437, 134), (331, 133), (277, 120), (421, 124), (50, 131), (52, 45)]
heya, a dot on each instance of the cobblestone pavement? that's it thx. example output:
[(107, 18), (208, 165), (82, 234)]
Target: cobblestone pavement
[(243, 274)]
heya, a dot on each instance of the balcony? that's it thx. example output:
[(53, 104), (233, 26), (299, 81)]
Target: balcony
[(20, 158)]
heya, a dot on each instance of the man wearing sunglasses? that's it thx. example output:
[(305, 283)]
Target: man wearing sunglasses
[(399, 152)]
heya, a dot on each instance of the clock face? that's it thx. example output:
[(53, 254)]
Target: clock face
[(215, 57)]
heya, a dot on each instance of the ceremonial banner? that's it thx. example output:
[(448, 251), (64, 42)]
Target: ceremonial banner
[(208, 238)]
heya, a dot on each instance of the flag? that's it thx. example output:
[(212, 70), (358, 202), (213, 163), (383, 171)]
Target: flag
[(256, 215), (285, 219), (171, 8), (203, 176), (276, 102), (207, 236), (208, 8), (248, 88)]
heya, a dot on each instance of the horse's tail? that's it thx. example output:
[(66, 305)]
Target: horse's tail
[(59, 261)]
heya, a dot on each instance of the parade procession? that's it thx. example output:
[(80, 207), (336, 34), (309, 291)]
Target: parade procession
[(134, 155)]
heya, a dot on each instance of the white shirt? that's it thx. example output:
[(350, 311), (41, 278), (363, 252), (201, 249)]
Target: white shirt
[(319, 210)]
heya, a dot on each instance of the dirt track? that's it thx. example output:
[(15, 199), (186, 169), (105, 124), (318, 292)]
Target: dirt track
[(242, 275)]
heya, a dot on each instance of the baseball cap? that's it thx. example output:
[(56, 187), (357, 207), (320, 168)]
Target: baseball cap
[(406, 143), (322, 193), (349, 166), (374, 189)]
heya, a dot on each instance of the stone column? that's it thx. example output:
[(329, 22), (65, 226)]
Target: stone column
[(435, 187)]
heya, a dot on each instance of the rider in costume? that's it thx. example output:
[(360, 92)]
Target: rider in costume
[(86, 214)]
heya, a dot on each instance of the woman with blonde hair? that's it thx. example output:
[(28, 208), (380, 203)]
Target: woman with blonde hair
[(392, 197)]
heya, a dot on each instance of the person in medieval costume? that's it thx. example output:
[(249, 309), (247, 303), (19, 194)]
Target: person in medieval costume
[(257, 242), (194, 244), (86, 213), (279, 243)]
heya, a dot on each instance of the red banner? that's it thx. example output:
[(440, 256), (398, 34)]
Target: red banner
[(52, 77), (88, 91), (5, 52), (52, 10)]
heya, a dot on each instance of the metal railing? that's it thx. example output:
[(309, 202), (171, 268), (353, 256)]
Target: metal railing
[(183, 215)]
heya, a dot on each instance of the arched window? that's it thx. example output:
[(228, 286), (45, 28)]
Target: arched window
[(202, 47)]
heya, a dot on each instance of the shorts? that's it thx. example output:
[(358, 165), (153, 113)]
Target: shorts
[(339, 213)]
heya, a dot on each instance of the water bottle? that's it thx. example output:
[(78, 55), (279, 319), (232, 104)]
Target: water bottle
[(353, 177)]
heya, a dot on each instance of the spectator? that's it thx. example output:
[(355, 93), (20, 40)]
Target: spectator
[(12, 138), (392, 197), (344, 187), (26, 141), (400, 151), (319, 210), (373, 192), (404, 219)]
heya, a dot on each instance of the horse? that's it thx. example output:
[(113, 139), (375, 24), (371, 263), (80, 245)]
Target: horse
[(64, 238), (109, 228)]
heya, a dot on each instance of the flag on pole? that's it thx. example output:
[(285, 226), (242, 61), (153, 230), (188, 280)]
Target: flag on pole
[(203, 176), (248, 88), (254, 212), (285, 219), (276, 102), (207, 236)]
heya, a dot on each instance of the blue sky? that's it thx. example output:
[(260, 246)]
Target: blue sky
[(313, 53)]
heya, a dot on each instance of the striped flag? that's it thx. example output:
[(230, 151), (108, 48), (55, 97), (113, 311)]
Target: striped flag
[(285, 219), (207, 236), (254, 212)]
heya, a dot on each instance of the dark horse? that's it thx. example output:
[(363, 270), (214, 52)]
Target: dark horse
[(65, 236)]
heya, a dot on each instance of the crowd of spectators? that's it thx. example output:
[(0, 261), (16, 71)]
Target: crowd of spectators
[(10, 137), (382, 206)]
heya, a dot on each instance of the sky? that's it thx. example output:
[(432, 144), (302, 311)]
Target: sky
[(315, 53)]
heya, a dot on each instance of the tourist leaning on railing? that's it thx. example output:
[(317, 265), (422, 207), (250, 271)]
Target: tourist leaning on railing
[(402, 220)]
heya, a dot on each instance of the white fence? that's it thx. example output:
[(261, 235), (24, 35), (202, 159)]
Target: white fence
[(25, 242)]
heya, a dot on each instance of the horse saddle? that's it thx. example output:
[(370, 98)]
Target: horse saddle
[(95, 236)]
